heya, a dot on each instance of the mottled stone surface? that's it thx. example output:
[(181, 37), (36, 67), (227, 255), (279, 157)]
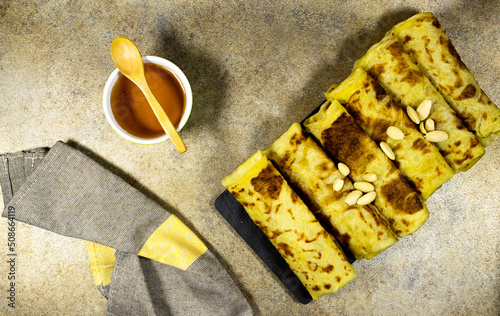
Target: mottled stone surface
[(255, 68)]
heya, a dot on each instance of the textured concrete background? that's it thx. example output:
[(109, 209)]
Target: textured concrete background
[(255, 68)]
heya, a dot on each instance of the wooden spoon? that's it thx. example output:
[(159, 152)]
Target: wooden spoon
[(128, 60)]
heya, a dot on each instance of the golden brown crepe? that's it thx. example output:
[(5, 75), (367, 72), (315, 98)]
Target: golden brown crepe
[(427, 43), (375, 111), (395, 71), (342, 138), (305, 245), (312, 173)]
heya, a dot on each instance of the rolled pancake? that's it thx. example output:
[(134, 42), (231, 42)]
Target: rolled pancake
[(311, 173), (342, 138), (427, 43), (306, 246), (395, 71), (374, 110)]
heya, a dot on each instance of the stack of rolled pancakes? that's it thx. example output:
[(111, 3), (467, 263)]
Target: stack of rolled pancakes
[(358, 172)]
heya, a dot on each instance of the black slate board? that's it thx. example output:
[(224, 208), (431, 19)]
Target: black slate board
[(237, 217)]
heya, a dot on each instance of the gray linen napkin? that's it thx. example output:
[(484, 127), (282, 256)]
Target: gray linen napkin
[(66, 192)]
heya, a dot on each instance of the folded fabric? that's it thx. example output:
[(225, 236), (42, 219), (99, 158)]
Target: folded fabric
[(66, 192)]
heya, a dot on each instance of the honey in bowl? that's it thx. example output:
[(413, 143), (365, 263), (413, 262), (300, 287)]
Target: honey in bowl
[(132, 110)]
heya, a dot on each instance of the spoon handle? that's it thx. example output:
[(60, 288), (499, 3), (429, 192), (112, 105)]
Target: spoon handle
[(162, 116)]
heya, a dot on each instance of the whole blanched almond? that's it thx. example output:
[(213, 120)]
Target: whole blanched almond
[(367, 198), (364, 186), (370, 177), (387, 150), (353, 197), (424, 109), (344, 169), (412, 114), (430, 125), (395, 133), (338, 184), (436, 136)]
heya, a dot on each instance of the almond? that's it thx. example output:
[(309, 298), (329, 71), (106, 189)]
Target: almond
[(387, 150), (353, 197), (424, 109), (364, 186), (367, 198), (370, 177), (412, 114), (436, 136), (430, 125), (395, 133), (338, 184), (344, 169)]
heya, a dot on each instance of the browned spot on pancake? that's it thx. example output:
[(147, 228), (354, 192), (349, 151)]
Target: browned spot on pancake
[(327, 286), (416, 184), (447, 44), (419, 144), (429, 52), (276, 210), (300, 235), (274, 234), (485, 116), (466, 118), (329, 268), (338, 279), (286, 156), (457, 143), (289, 210), (285, 249), (375, 127), (380, 93), (324, 166), (323, 233), (379, 235), (395, 49), (438, 171), (344, 239), (397, 147), (296, 140), (344, 135), (467, 93), (407, 38), (405, 222), (458, 80), (411, 76), (316, 288), (247, 204), (295, 198), (268, 183), (401, 196), (305, 274), (435, 23), (377, 70), (467, 155)]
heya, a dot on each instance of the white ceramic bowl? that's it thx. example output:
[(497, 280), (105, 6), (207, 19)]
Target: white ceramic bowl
[(180, 77)]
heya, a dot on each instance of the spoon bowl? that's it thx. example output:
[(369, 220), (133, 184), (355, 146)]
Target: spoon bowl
[(128, 60)]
